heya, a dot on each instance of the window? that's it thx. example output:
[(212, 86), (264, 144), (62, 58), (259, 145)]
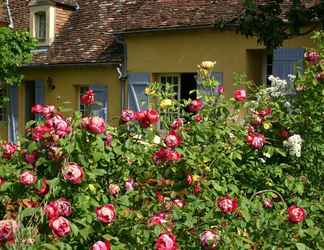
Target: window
[(40, 26), (3, 108)]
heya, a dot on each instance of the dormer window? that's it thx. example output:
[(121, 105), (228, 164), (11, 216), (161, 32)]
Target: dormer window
[(40, 26)]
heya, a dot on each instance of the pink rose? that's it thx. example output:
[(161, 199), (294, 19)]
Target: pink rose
[(8, 229), (31, 158), (189, 179), (265, 112), (95, 125), (108, 140), (127, 116), (27, 178), (58, 125), (152, 116), (157, 219), (106, 214), (240, 95), (44, 110), (8, 150), (64, 207), (209, 239), (296, 214), (197, 188), (177, 123), (179, 203), (88, 98), (113, 189), (2, 181), (198, 118), (172, 140), (195, 106), (166, 241), (227, 205), (100, 245), (320, 76), (129, 185), (256, 140), (267, 203), (51, 210), (220, 89), (147, 117), (73, 173), (40, 132), (312, 57), (60, 227)]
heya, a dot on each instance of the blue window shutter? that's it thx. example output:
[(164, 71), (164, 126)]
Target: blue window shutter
[(101, 97), (40, 92), (286, 61), (218, 76), (13, 114), (137, 82)]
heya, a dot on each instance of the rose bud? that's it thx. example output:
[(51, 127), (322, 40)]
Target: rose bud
[(51, 210), (195, 106), (296, 214), (113, 189), (267, 203), (220, 89), (8, 150), (198, 118), (8, 229), (60, 227), (88, 98), (106, 214), (172, 140), (157, 219), (152, 116), (127, 116), (166, 241), (43, 189), (227, 205), (27, 178), (320, 76), (189, 179), (95, 125), (73, 173), (100, 245), (129, 185), (240, 95), (179, 203), (312, 57), (31, 158), (64, 207), (177, 123), (197, 188), (209, 239), (108, 140)]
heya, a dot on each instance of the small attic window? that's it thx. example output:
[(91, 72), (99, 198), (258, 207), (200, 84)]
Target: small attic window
[(40, 26)]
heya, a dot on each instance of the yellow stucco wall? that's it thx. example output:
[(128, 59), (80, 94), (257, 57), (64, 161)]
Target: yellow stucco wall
[(66, 81), (181, 51)]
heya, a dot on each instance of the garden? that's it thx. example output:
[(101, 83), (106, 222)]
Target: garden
[(244, 172)]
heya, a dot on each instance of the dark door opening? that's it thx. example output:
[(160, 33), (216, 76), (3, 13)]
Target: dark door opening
[(188, 83), (30, 97)]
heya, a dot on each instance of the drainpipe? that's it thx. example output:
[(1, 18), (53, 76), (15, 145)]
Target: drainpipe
[(122, 72), (11, 23)]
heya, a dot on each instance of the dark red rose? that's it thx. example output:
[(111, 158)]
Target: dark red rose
[(227, 205), (195, 106), (296, 214), (88, 98)]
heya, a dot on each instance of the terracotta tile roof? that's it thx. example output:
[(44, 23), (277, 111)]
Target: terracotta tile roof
[(89, 33)]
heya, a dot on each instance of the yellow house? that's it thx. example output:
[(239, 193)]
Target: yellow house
[(119, 47)]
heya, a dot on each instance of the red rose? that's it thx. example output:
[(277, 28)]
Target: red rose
[(195, 106), (197, 188), (166, 241), (8, 229), (51, 210), (189, 179), (284, 133), (38, 108), (265, 112), (58, 126), (177, 123), (152, 116), (172, 140), (113, 189), (8, 150), (43, 189), (100, 245), (256, 140), (44, 110), (73, 173), (64, 207), (166, 155), (159, 196), (240, 95), (296, 214), (198, 118), (320, 76), (227, 205), (209, 239), (157, 219), (106, 214), (127, 116), (2, 181), (88, 98), (60, 226), (27, 178), (39, 132), (95, 125), (31, 158), (312, 57)]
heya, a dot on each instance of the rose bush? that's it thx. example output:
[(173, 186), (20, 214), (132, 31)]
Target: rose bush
[(247, 174)]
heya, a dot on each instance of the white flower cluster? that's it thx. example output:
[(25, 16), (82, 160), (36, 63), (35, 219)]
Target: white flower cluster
[(294, 143), (280, 87)]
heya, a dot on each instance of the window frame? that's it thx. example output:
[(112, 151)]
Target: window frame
[(37, 25)]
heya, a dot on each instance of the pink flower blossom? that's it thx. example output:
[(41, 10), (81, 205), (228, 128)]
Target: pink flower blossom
[(60, 227), (8, 150), (43, 189), (73, 173), (108, 140), (256, 140), (8, 229), (195, 106), (177, 123), (198, 118), (40, 132), (51, 210), (88, 98), (113, 189), (27, 178), (31, 158), (129, 185), (95, 125), (166, 241), (100, 245), (64, 207), (209, 239), (296, 214), (127, 116), (312, 57), (240, 95), (157, 219), (173, 140), (106, 214), (147, 118), (227, 205), (179, 203)]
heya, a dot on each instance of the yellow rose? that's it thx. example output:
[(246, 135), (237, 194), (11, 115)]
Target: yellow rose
[(149, 91), (166, 103), (208, 65), (267, 125), (195, 178)]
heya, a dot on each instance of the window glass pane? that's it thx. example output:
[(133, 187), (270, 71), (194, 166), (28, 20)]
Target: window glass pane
[(40, 19)]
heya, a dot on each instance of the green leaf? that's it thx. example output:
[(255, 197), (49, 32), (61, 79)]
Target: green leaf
[(301, 246)]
